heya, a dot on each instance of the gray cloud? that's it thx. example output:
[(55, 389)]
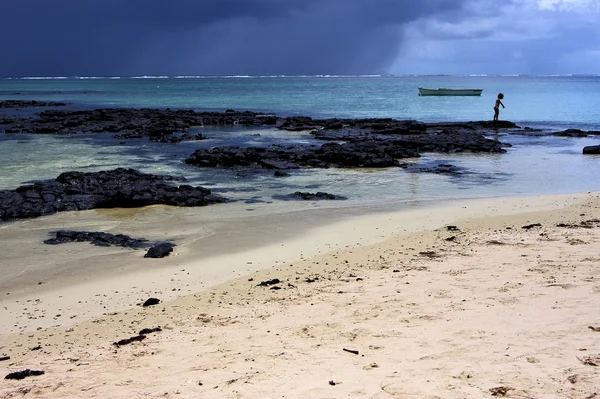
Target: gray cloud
[(518, 38), (193, 37)]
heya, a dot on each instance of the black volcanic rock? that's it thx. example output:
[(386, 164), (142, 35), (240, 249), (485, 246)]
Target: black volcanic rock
[(591, 150), (29, 103), (571, 133), (493, 124), (452, 142), (118, 188), (151, 302), (102, 239), (305, 196), (357, 143), (360, 151), (160, 250), (383, 125), (350, 155), (576, 133), (171, 126), (440, 168), (19, 375), (160, 125), (98, 238), (350, 143)]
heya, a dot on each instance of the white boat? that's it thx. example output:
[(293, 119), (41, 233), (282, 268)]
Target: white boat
[(449, 92)]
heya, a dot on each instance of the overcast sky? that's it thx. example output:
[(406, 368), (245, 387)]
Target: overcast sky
[(298, 37)]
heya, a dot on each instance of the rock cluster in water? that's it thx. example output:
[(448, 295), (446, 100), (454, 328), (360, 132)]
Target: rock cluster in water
[(30, 103), (351, 143), (355, 143), (592, 150), (165, 125), (162, 125), (576, 133), (118, 188), (368, 154), (306, 196)]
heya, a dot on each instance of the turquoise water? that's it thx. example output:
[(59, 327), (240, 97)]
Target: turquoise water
[(534, 165), (556, 100)]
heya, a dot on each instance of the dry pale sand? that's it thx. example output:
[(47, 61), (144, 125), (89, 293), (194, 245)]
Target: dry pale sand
[(487, 309)]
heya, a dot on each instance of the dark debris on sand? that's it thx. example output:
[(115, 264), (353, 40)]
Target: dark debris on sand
[(137, 338), (19, 375), (151, 302), (145, 331), (127, 341), (97, 238), (267, 283)]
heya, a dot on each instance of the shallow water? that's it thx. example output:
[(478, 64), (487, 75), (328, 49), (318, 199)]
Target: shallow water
[(533, 165)]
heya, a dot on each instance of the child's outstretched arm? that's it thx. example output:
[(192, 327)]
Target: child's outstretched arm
[(501, 104)]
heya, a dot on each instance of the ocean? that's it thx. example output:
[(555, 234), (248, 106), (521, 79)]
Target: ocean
[(535, 164)]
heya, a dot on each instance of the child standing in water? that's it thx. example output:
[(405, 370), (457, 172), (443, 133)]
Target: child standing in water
[(497, 106)]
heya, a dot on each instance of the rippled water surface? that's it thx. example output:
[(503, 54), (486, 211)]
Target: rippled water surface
[(533, 165), (556, 99)]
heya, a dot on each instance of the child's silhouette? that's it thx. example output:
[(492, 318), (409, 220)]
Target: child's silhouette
[(497, 106)]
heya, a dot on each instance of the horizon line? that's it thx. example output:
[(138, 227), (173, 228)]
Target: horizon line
[(115, 77)]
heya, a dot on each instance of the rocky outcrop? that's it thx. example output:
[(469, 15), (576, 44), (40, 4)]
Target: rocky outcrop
[(576, 133), (102, 239), (30, 103), (351, 143), (451, 142), (161, 125), (151, 302), (382, 125), (98, 238), (160, 250), (169, 126), (118, 188), (366, 151), (305, 196), (591, 150), (350, 155), (441, 169)]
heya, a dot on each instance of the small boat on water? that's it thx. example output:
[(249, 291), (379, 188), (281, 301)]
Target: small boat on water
[(449, 92)]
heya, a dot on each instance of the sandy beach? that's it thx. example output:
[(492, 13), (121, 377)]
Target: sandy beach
[(470, 299)]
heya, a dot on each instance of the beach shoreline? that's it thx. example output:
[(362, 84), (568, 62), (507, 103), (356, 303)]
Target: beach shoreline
[(337, 281), (215, 244)]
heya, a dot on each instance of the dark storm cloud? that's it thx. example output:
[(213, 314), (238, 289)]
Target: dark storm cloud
[(193, 37)]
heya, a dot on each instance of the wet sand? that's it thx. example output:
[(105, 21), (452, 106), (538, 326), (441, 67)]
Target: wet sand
[(432, 311)]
